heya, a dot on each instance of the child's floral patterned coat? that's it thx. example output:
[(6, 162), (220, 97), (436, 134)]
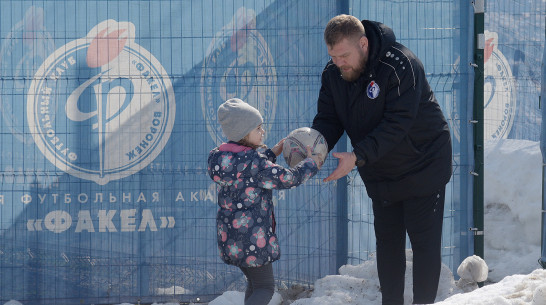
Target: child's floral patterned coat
[(245, 220)]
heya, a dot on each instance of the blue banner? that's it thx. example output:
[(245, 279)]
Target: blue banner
[(108, 115)]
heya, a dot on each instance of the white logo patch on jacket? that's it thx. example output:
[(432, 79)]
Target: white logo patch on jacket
[(373, 90)]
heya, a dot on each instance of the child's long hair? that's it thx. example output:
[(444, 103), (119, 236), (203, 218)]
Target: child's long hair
[(244, 141)]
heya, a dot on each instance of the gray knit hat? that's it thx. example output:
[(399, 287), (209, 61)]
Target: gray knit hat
[(238, 119)]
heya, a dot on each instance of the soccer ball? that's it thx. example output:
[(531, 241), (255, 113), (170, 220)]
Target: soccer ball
[(294, 145)]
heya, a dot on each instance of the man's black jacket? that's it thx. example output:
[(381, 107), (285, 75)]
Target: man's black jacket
[(392, 119)]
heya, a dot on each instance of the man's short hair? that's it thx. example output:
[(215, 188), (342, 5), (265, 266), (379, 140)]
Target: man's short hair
[(343, 26)]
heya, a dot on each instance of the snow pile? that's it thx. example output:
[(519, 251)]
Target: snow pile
[(512, 290), (13, 302), (512, 203), (238, 298), (356, 285)]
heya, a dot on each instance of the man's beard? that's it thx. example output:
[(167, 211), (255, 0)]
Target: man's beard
[(354, 74)]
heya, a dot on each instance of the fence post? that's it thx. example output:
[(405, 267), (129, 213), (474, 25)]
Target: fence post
[(477, 121), (342, 221), (542, 259)]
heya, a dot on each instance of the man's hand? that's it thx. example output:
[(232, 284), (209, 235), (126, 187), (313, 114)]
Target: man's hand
[(346, 164)]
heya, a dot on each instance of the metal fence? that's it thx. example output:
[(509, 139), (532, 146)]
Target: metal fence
[(104, 196)]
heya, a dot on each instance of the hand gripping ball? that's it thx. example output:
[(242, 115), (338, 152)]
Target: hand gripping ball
[(294, 145)]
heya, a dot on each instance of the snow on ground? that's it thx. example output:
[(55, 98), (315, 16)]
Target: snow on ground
[(513, 196), (514, 289)]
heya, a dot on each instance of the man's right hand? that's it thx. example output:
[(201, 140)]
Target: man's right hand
[(344, 167)]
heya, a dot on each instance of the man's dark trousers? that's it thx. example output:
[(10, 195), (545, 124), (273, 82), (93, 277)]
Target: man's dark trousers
[(422, 218)]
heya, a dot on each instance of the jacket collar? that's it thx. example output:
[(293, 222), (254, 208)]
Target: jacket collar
[(233, 147), (380, 39)]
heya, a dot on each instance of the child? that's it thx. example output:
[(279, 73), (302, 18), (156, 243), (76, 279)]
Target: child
[(246, 173)]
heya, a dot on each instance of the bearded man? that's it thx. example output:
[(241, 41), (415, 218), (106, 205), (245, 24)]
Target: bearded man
[(375, 90)]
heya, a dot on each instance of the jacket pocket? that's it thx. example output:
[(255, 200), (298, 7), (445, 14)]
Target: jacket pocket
[(403, 160)]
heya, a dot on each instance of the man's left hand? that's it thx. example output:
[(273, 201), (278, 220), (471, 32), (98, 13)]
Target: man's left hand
[(346, 164)]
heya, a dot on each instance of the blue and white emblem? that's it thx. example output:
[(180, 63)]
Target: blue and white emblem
[(101, 107), (372, 90), (239, 64), (499, 90)]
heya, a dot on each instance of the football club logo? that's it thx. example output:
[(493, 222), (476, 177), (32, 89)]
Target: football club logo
[(101, 107), (238, 64), (372, 90), (499, 91)]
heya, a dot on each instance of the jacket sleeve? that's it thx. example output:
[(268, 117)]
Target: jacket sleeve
[(270, 155), (273, 176), (326, 120), (401, 107)]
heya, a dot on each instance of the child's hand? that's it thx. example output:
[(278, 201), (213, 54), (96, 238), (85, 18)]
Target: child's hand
[(277, 149), (317, 157)]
